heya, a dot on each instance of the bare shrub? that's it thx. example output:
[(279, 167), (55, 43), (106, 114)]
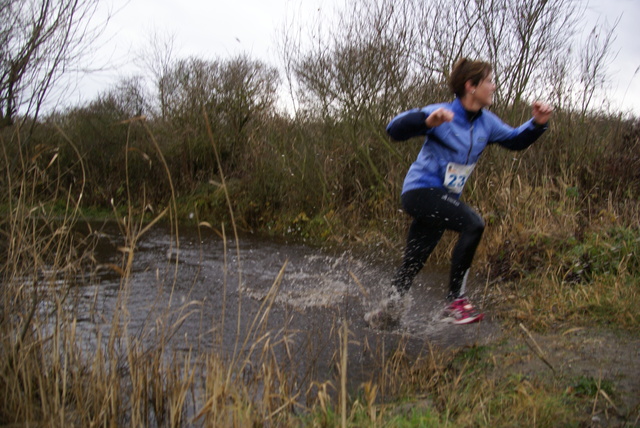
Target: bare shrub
[(39, 41)]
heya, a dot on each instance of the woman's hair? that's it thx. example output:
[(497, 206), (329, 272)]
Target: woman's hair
[(464, 70)]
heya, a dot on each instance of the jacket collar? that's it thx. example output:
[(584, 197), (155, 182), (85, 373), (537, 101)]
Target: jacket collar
[(458, 108)]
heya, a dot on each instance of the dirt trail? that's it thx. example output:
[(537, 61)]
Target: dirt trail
[(610, 358)]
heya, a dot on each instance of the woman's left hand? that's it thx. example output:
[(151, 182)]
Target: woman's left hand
[(541, 112)]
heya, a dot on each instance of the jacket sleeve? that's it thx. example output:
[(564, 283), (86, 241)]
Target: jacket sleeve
[(519, 138), (407, 125)]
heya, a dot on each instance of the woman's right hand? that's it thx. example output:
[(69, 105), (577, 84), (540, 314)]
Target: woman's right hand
[(438, 117)]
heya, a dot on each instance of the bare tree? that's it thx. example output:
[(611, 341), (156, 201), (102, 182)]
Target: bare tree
[(522, 39), (594, 58), (158, 58), (236, 94), (357, 66), (39, 40), (379, 54), (447, 31)]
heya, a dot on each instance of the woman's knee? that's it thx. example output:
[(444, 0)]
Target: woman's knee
[(475, 226)]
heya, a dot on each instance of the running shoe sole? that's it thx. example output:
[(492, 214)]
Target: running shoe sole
[(468, 320)]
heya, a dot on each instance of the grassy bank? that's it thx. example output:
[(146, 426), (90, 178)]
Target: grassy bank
[(558, 266)]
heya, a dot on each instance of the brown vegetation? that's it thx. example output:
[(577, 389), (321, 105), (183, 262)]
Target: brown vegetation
[(560, 250)]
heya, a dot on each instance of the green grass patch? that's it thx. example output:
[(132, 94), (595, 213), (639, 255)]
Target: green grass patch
[(588, 386)]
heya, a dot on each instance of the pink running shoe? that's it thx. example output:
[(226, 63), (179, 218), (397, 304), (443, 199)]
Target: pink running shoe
[(460, 311)]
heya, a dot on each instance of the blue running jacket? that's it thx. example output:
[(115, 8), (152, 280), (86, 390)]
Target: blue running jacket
[(451, 149)]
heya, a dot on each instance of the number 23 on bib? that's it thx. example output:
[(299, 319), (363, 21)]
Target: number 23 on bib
[(456, 176)]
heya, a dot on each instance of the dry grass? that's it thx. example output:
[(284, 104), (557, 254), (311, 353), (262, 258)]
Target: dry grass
[(52, 375)]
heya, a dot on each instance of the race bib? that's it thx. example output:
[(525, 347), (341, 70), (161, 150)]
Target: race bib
[(456, 176)]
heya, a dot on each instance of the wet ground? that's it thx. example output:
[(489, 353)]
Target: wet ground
[(200, 292)]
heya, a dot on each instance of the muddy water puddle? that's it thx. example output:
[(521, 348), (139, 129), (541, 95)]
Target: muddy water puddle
[(201, 293)]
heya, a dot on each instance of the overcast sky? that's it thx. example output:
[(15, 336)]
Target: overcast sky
[(217, 29)]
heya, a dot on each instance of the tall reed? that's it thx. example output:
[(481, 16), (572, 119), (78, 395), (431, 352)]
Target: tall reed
[(56, 373)]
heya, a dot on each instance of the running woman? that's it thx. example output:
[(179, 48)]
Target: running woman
[(456, 134)]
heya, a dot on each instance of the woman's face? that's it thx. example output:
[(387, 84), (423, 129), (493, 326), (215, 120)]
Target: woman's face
[(483, 93)]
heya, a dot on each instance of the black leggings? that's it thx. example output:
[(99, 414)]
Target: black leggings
[(434, 210)]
